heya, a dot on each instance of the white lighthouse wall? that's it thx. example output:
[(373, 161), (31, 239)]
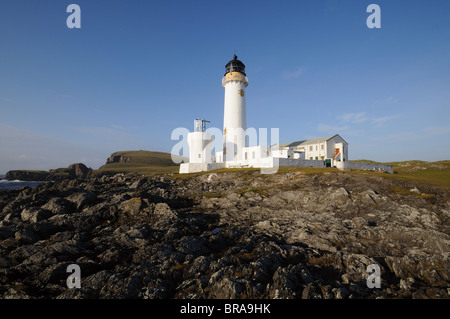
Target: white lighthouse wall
[(234, 105), (234, 121)]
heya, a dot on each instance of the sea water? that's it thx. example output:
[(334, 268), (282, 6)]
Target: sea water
[(12, 185)]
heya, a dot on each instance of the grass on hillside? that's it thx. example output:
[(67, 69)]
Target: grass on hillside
[(143, 158), (144, 170), (435, 173), (142, 162), (151, 163)]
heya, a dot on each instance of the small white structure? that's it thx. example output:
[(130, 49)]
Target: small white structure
[(200, 143), (319, 152), (200, 147)]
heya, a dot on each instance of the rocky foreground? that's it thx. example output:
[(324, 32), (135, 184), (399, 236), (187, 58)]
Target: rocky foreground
[(226, 235)]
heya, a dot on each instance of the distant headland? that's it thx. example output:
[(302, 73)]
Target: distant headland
[(144, 162)]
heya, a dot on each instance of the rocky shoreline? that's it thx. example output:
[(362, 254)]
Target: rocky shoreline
[(226, 235), (77, 170)]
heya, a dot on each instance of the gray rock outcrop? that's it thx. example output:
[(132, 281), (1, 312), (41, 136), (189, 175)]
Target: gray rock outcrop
[(237, 235)]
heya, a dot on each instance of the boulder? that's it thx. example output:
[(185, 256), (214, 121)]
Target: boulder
[(34, 214), (132, 206), (82, 199), (80, 170), (57, 205)]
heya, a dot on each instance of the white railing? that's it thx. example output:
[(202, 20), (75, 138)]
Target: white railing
[(224, 80)]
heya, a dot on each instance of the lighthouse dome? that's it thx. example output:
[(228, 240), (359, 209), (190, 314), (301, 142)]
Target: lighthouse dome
[(235, 65)]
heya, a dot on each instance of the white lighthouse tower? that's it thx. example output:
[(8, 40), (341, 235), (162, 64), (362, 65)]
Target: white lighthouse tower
[(234, 118)]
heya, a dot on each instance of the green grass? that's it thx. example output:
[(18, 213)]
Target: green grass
[(308, 170), (151, 163), (366, 161), (434, 173), (142, 162), (144, 170)]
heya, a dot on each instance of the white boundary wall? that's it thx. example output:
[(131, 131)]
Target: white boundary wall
[(365, 166), (273, 162), (288, 162)]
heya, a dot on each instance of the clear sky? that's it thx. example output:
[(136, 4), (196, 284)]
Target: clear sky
[(137, 69)]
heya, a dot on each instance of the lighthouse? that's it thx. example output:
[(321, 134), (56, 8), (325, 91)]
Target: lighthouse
[(234, 118), (318, 152)]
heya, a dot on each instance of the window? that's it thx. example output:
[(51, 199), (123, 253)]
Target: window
[(321, 147), (316, 147), (245, 155), (253, 155), (199, 155), (311, 148)]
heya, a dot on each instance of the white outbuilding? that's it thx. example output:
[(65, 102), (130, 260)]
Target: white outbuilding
[(329, 149)]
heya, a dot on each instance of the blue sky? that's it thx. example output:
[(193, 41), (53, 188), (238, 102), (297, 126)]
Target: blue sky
[(138, 69)]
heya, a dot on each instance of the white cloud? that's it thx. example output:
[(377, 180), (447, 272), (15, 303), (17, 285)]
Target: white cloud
[(385, 101), (361, 117), (379, 121), (390, 100), (58, 94), (294, 74), (353, 117), (331, 129)]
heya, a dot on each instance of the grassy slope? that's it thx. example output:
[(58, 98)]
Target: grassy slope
[(150, 163), (436, 173), (142, 162)]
